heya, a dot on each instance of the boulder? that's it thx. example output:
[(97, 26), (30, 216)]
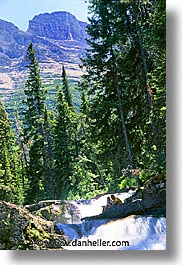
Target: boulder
[(60, 211), (21, 230)]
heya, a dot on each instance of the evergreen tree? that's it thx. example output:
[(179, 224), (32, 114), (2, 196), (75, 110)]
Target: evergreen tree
[(118, 84), (87, 179), (66, 89), (104, 79), (157, 47), (64, 150), (49, 174), (22, 146), (11, 188), (34, 127)]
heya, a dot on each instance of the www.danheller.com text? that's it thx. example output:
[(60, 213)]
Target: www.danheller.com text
[(58, 243)]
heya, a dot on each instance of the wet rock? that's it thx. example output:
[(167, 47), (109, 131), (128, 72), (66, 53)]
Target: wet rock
[(64, 212)]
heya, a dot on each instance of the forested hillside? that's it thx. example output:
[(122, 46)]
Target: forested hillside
[(117, 137)]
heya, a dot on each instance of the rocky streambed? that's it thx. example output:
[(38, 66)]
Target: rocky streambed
[(34, 227)]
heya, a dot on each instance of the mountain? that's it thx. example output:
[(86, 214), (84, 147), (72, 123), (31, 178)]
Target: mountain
[(58, 26), (58, 38)]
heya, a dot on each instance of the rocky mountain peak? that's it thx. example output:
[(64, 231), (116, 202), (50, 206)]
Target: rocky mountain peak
[(8, 26), (58, 38), (58, 26)]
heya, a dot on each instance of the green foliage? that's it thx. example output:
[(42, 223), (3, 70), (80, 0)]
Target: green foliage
[(12, 104), (64, 150), (125, 84), (84, 183), (127, 182), (76, 143), (34, 127), (66, 90), (10, 167)]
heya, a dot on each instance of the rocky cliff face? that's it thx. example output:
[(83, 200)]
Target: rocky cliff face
[(58, 38), (58, 26), (8, 45)]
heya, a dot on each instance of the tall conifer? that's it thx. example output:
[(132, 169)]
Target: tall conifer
[(64, 146), (11, 188), (119, 65), (66, 89), (34, 127)]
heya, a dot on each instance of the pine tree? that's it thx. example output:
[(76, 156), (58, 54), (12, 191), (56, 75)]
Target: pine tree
[(34, 127), (117, 81), (104, 81), (49, 173), (22, 146), (11, 188), (64, 150), (156, 47), (66, 89), (87, 179)]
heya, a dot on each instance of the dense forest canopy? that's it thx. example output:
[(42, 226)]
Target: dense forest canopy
[(118, 135)]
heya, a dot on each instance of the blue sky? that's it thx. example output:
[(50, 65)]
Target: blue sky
[(19, 12)]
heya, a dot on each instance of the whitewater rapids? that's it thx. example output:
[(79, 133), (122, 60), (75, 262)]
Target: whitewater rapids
[(131, 233)]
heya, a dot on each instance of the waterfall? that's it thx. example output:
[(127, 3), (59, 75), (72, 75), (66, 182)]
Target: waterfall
[(94, 206), (133, 233), (130, 233)]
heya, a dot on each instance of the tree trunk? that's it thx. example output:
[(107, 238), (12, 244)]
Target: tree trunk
[(124, 130), (143, 55), (124, 126)]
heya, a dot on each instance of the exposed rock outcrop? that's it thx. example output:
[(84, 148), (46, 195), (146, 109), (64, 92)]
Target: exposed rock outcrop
[(58, 26), (56, 210), (20, 230), (38, 226)]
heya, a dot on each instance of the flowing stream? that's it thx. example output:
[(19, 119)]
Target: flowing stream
[(131, 233)]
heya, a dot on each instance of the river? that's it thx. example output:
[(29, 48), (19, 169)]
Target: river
[(130, 233)]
